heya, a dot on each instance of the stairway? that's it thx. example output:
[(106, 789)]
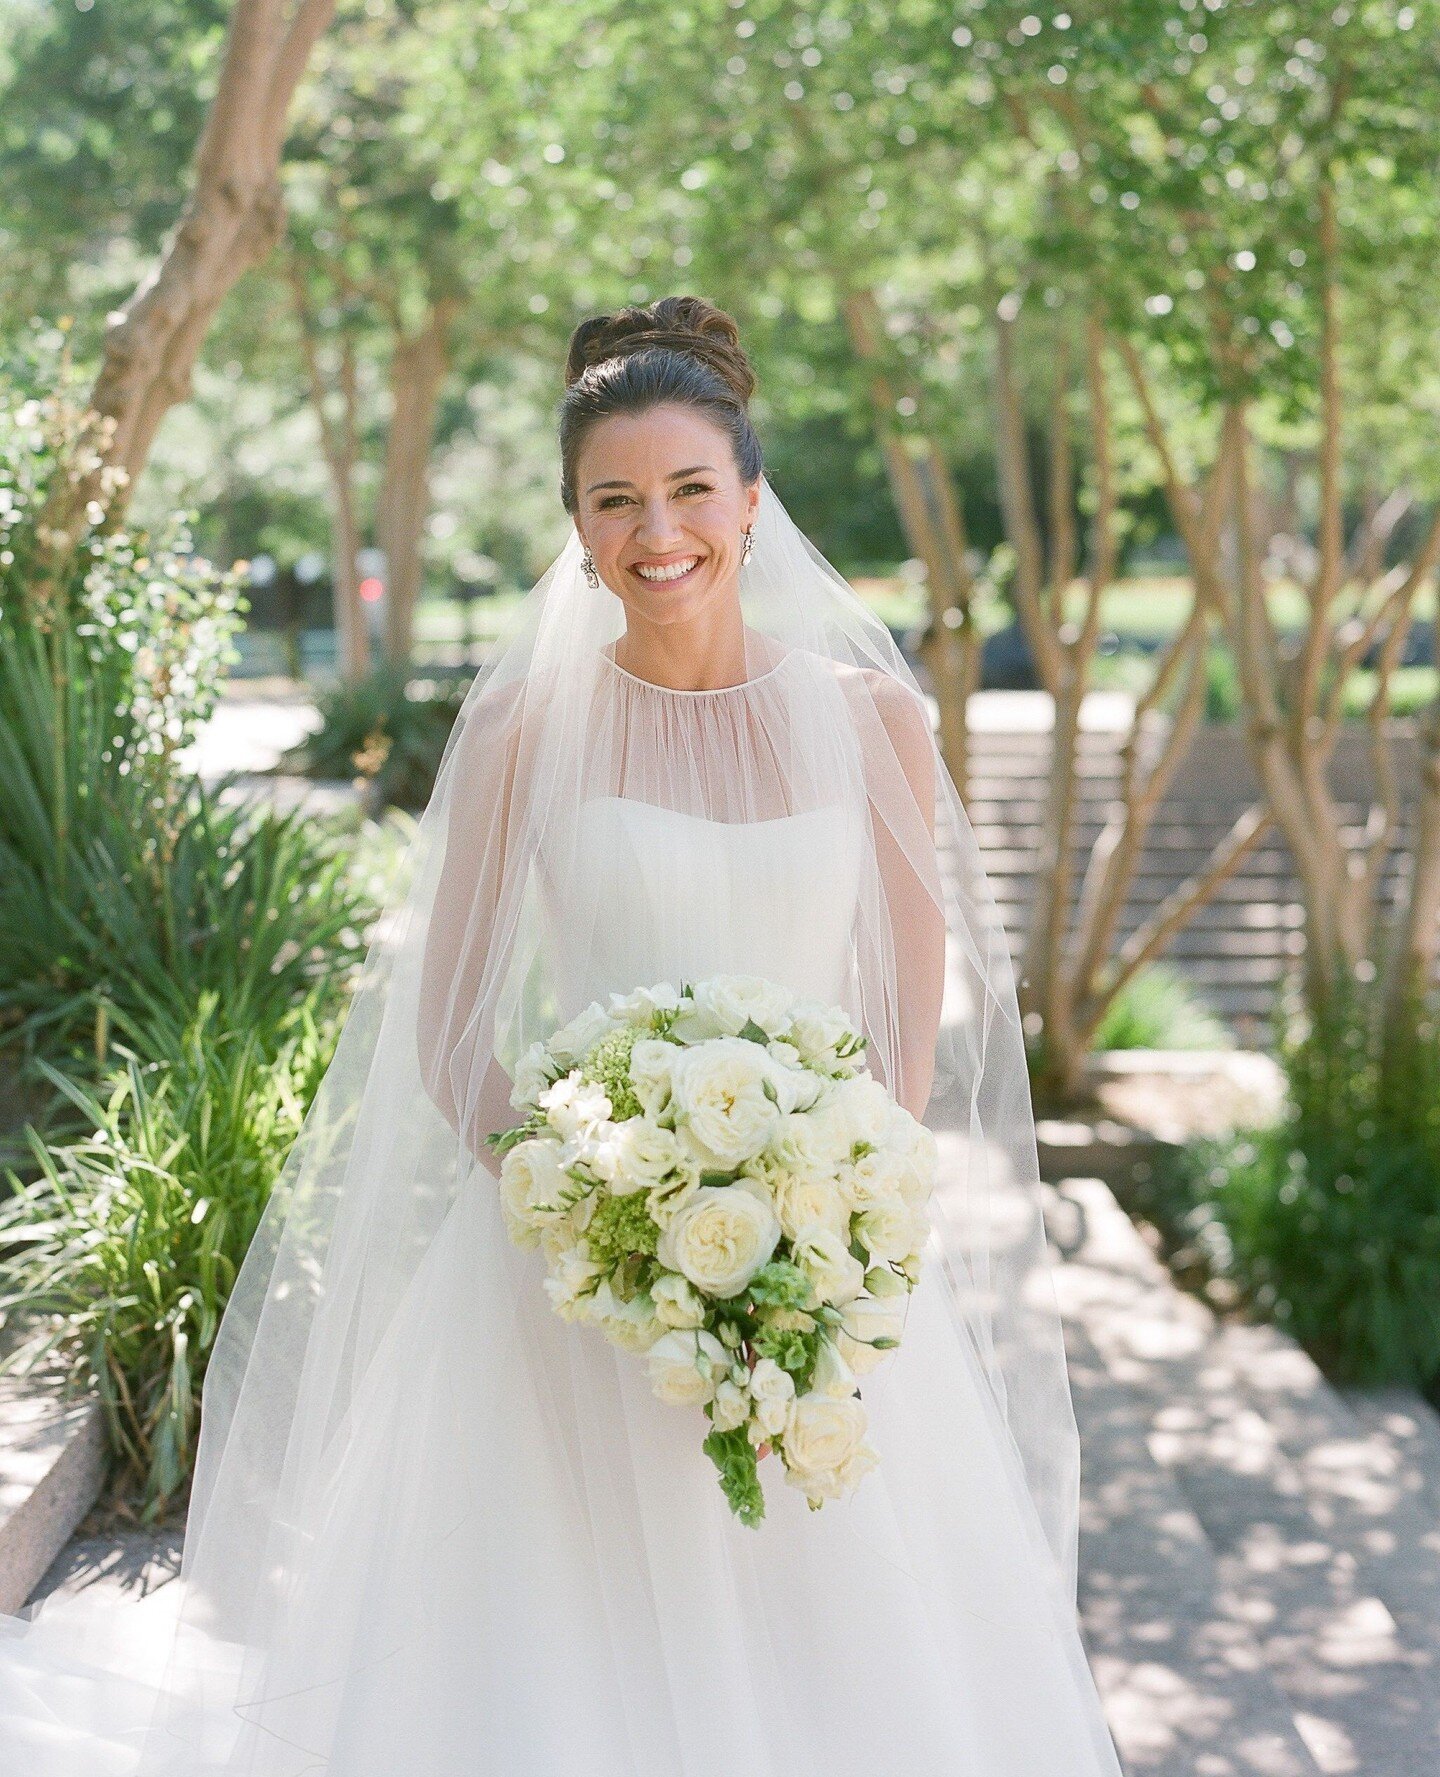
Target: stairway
[(1236, 949), (1260, 1555)]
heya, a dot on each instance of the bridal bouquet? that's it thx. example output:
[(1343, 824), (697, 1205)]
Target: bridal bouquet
[(718, 1182)]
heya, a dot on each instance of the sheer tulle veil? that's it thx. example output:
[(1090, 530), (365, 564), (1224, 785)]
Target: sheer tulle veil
[(463, 975)]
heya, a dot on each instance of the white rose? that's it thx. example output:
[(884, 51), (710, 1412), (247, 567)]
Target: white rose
[(866, 1109), (533, 1073), (873, 1179), (811, 1145), (569, 1284), (836, 1273), (531, 1180), (865, 1320), (686, 1367), (573, 1107), (822, 1484), (650, 1061), (676, 1303), (633, 1325), (824, 1436), (731, 1407), (772, 1389), (831, 1375), (638, 1007), (730, 1002), (803, 1203), (674, 1191), (918, 1160), (644, 1153), (721, 1237), (890, 1230), (557, 1239), (818, 1031), (721, 1101), (574, 1040)]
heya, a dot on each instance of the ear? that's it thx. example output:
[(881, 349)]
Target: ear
[(752, 502)]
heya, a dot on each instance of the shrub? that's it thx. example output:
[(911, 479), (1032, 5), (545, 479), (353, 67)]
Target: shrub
[(387, 730), (1330, 1222), (126, 1247), (1158, 1009)]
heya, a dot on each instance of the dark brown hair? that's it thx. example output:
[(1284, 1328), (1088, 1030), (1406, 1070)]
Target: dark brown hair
[(681, 349)]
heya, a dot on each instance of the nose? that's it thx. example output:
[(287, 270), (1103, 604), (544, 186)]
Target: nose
[(657, 529)]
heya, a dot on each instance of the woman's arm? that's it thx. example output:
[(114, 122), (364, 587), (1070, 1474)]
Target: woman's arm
[(458, 939), (909, 869)]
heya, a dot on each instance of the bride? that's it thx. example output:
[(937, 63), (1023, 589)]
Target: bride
[(436, 1529)]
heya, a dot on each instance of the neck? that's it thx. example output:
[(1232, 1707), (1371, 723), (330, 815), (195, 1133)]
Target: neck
[(705, 654)]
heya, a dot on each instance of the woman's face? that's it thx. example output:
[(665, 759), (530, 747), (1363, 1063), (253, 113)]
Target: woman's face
[(662, 508)]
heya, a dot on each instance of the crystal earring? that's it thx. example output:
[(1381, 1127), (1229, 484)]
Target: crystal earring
[(587, 563), (747, 546)]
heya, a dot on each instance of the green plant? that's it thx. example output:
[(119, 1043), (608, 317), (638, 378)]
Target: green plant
[(388, 730), (1330, 1221), (1158, 1009), (123, 1252), (256, 905)]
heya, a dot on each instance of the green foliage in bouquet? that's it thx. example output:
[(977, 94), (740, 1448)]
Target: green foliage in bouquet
[(718, 1183)]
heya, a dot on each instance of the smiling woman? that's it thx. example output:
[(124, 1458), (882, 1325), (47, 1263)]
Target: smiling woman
[(669, 542), (683, 764)]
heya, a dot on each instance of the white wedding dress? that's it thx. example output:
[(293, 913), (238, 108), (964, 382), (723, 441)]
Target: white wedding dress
[(528, 1581)]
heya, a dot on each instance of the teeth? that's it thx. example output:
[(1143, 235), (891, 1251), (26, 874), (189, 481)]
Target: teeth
[(673, 572)]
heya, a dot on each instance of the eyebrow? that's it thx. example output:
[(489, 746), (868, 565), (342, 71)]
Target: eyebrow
[(694, 469)]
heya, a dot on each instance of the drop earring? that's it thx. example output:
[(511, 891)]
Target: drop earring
[(747, 546), (587, 564)]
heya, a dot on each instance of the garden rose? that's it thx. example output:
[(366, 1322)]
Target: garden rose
[(650, 1061), (830, 1265), (727, 1003), (812, 1202), (720, 1099), (676, 1302), (865, 1319), (686, 1367), (531, 1179), (825, 1449), (721, 1237), (772, 1390)]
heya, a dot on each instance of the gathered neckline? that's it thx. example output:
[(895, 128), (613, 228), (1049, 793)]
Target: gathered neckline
[(684, 814), (702, 691)]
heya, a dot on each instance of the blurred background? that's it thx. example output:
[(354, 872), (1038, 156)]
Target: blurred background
[(1097, 348)]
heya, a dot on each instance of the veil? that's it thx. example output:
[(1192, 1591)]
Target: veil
[(465, 971)]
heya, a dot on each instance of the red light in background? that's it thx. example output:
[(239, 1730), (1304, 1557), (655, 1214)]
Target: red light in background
[(372, 590)]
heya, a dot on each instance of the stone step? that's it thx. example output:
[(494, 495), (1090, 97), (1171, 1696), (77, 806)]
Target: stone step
[(52, 1465), (1321, 1554)]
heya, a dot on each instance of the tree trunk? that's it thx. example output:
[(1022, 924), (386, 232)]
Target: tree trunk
[(340, 446), (417, 377), (232, 218), (932, 521)]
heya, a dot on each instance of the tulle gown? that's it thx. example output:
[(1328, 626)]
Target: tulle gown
[(527, 1568)]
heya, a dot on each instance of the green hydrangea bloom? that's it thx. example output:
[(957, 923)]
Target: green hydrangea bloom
[(621, 1226), (608, 1065)]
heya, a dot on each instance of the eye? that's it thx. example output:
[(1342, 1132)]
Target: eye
[(612, 500), (704, 487)]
